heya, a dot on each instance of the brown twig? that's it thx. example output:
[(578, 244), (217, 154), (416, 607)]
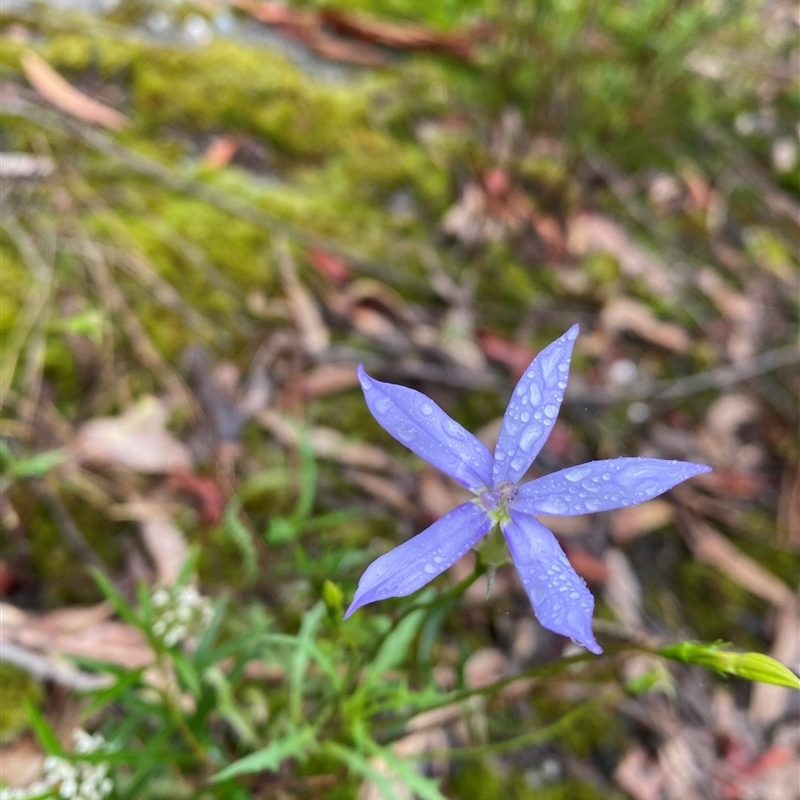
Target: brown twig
[(66, 526)]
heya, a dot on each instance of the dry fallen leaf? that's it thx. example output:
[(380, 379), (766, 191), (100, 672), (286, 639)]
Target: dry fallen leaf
[(167, 546), (720, 440), (400, 36), (745, 314), (713, 548), (513, 355), (306, 26), (21, 762), (634, 521), (137, 440), (314, 334), (86, 632), (484, 667), (384, 490), (589, 232), (327, 379), (327, 443), (622, 590), (53, 88), (639, 775), (470, 221), (220, 151), (623, 314), (333, 267)]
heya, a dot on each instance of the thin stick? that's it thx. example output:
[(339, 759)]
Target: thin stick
[(66, 526)]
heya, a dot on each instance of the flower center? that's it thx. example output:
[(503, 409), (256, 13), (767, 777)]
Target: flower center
[(507, 490), (495, 501)]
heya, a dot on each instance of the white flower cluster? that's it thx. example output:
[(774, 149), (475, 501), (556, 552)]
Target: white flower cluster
[(180, 611), (70, 780)]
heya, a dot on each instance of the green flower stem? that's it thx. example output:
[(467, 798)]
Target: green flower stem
[(532, 737)]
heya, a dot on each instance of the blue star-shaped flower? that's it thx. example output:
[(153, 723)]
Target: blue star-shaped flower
[(560, 599)]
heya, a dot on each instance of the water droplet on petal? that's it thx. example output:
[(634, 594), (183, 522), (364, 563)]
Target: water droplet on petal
[(518, 463), (550, 411), (406, 433), (383, 404), (576, 474), (453, 429), (535, 394), (530, 436), (426, 409)]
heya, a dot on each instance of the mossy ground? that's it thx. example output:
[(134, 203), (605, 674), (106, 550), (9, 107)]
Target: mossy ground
[(332, 158)]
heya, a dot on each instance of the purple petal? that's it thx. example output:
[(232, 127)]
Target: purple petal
[(533, 409), (602, 485), (417, 422), (560, 599), (419, 560)]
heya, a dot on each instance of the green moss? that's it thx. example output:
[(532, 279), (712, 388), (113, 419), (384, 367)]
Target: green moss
[(770, 252), (17, 689), (505, 284), (63, 578), (229, 85), (476, 779), (16, 287)]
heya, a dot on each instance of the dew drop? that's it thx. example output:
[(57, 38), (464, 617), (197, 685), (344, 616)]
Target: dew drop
[(550, 411), (525, 416), (426, 409), (429, 569), (530, 436), (535, 394), (578, 473), (406, 434), (518, 463), (383, 404), (452, 428)]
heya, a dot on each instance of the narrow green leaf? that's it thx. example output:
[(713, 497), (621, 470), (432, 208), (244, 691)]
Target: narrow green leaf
[(355, 762), (297, 674), (269, 759), (401, 771), (116, 599), (38, 465), (395, 646), (187, 672), (46, 735), (241, 537), (189, 567), (226, 705)]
